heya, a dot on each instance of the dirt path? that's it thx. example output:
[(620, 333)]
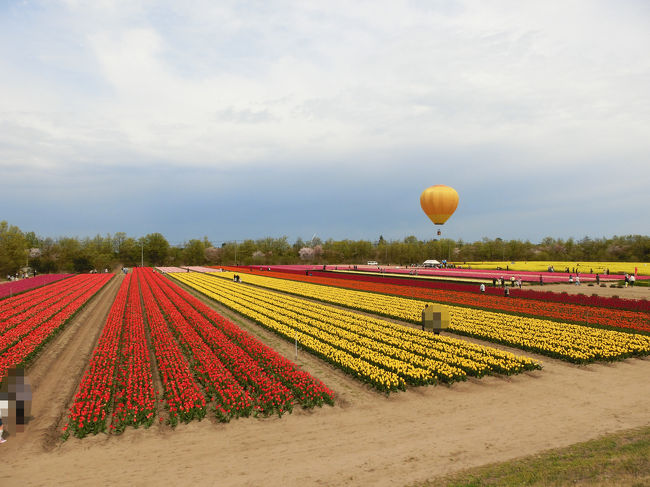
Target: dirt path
[(366, 439), (630, 292), (56, 374)]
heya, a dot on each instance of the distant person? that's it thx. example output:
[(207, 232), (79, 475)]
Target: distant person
[(597, 279), (494, 282), (571, 279), (506, 292), (427, 317), (482, 287), (4, 406), (541, 280), (632, 280), (577, 280)]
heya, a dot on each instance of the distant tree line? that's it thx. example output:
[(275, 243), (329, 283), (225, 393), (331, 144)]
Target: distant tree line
[(19, 250)]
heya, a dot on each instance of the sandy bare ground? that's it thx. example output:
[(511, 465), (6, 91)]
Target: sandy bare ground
[(365, 439), (630, 292)]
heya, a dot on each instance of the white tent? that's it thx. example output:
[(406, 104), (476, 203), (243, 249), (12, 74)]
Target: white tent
[(430, 263)]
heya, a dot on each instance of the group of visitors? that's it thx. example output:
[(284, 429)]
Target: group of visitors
[(629, 279), (502, 282), (21, 275)]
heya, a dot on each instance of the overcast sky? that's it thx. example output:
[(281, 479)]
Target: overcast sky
[(247, 119)]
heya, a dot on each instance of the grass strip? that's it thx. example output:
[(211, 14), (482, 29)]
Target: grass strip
[(621, 459)]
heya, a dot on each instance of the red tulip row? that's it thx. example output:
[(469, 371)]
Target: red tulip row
[(549, 296), (239, 374), (216, 329), (184, 398), (16, 310), (619, 318), (135, 398), (20, 344), (92, 402), (270, 394), (231, 399)]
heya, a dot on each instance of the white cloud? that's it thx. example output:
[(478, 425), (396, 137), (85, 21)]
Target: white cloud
[(348, 77), (498, 87)]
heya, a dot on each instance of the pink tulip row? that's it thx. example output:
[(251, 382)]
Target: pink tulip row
[(18, 345), (16, 287), (170, 269)]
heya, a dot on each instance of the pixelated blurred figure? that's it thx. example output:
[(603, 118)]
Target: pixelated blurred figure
[(15, 400), (435, 318)]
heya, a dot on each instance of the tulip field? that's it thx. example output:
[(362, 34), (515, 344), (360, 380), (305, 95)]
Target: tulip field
[(28, 321), (386, 355), (449, 290), (618, 313), (163, 356), (574, 343), (204, 361)]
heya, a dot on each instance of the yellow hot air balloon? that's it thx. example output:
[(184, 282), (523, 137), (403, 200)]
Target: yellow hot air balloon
[(439, 202)]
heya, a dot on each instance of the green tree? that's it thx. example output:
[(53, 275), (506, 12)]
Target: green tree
[(13, 249), (129, 253), (156, 249), (194, 253)]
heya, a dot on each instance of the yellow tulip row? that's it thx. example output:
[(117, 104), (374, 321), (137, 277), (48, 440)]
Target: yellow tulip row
[(570, 342), (415, 356), (583, 267), (376, 376), (474, 359)]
